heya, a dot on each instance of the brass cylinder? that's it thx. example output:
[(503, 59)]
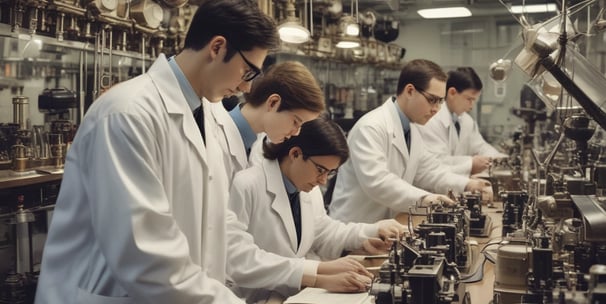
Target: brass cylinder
[(21, 111)]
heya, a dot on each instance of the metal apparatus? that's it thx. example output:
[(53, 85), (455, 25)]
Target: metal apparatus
[(427, 268)]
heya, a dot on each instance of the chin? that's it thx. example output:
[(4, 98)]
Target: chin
[(276, 141)]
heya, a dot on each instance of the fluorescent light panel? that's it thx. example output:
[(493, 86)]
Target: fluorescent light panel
[(444, 12), (533, 8)]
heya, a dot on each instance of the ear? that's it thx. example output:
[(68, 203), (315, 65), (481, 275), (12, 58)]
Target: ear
[(409, 89), (216, 44), (295, 152), (273, 102), (451, 91)]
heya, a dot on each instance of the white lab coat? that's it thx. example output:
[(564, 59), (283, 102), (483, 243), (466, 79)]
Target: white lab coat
[(140, 217), (259, 199), (441, 138), (381, 179), (229, 139), (247, 265)]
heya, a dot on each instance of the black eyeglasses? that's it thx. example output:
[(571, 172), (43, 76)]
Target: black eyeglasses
[(431, 99), (323, 170), (253, 72)]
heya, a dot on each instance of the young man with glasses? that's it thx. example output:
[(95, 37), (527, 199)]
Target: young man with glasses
[(389, 170), (452, 135), (141, 214), (281, 206)]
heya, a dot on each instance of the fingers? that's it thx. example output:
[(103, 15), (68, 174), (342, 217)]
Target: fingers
[(357, 283), (361, 270), (350, 264), (395, 231), (447, 201)]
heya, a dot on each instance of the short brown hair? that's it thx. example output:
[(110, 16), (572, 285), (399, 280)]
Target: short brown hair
[(295, 84), (419, 73)]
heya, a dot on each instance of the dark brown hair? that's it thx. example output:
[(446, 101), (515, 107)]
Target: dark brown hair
[(419, 73), (318, 137)]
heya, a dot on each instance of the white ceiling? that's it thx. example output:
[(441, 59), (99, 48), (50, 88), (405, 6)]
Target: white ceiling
[(406, 9)]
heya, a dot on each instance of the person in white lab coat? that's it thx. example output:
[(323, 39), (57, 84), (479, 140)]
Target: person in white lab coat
[(140, 217), (389, 170), (279, 102), (281, 205), (452, 135)]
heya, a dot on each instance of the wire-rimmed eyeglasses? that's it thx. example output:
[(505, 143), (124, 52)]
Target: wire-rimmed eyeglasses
[(431, 99), (323, 170)]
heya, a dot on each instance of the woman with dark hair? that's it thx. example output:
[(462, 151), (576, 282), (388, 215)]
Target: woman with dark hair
[(280, 205)]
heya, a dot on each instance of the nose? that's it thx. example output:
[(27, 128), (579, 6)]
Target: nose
[(296, 131), (245, 86), (322, 179), (435, 108)]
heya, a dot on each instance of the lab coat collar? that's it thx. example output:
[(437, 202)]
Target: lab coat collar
[(175, 102), (232, 135), (280, 203), (394, 124), (246, 132), (444, 116), (190, 95)]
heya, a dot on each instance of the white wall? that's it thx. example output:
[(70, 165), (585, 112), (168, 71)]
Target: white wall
[(476, 43)]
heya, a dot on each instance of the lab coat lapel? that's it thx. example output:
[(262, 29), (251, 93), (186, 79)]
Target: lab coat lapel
[(397, 133), (415, 153), (232, 136), (280, 203), (176, 106), (307, 220), (445, 118), (466, 129)]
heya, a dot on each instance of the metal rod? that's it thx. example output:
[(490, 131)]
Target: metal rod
[(96, 67), (111, 63), (142, 54)]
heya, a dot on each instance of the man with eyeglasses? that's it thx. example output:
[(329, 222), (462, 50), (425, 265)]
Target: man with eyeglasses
[(141, 215), (452, 135), (280, 204), (389, 170)]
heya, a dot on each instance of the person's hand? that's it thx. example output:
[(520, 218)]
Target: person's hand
[(374, 246), (435, 199), (344, 264), (476, 184), (344, 282), (479, 163), (391, 229)]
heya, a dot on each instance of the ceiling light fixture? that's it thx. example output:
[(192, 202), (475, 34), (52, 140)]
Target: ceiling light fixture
[(444, 12), (291, 30), (533, 8), (350, 29)]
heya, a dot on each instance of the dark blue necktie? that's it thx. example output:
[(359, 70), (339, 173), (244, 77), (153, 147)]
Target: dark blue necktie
[(199, 118), (295, 207), (458, 127), (407, 137)]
